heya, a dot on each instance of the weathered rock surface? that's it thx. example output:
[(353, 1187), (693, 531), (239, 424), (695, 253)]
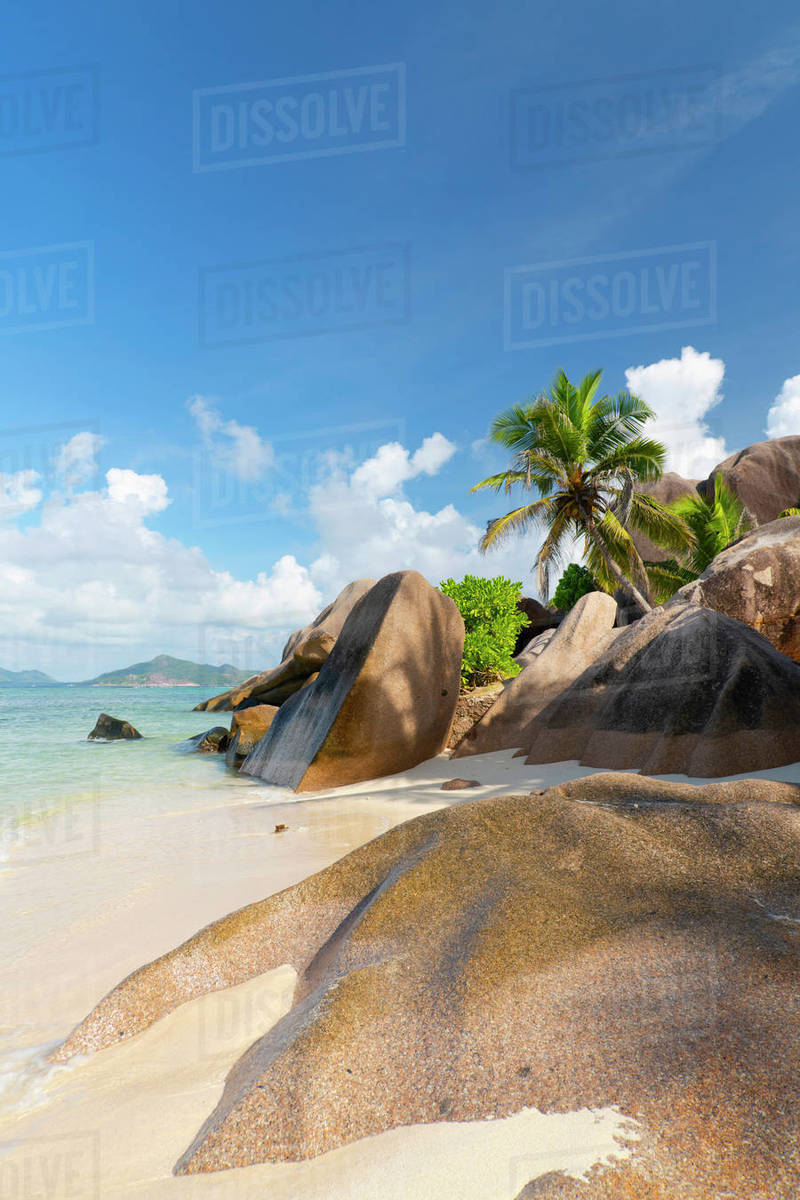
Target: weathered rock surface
[(213, 741), (111, 729), (581, 637), (534, 647), (470, 707), (539, 617), (332, 618), (765, 477), (687, 691), (303, 655), (384, 699), (248, 726), (615, 941), (757, 580)]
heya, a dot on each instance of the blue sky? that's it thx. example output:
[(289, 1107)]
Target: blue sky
[(489, 144)]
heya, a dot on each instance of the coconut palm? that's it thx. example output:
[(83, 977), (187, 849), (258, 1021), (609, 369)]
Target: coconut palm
[(714, 521), (584, 455)]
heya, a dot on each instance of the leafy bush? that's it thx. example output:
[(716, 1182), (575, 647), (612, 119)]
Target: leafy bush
[(789, 512), (492, 622), (574, 583)]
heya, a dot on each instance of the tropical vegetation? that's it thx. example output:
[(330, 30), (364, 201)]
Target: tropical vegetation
[(574, 583), (584, 454), (492, 623), (713, 521)]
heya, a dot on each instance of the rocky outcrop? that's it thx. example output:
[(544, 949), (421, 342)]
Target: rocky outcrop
[(471, 706), (384, 699), (582, 636), (615, 941), (686, 691), (757, 580), (248, 726), (765, 477), (539, 617), (213, 741), (303, 655), (111, 729)]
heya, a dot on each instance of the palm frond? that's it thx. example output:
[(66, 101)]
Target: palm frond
[(519, 520)]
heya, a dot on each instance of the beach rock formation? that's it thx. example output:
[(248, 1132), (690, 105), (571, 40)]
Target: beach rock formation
[(687, 691), (384, 699), (470, 707), (248, 726), (765, 477), (303, 655), (539, 617), (213, 741), (111, 729), (615, 941), (585, 632), (757, 580)]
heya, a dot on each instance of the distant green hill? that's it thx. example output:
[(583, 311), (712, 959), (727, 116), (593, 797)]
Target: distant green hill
[(25, 679), (165, 671)]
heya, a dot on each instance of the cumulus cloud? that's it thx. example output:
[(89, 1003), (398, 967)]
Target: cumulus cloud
[(92, 576), (366, 525), (232, 447), (19, 493), (392, 465), (783, 418), (76, 461), (682, 391)]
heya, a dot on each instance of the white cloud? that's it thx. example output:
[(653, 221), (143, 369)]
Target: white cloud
[(783, 418), (145, 493), (392, 465), (367, 526), (682, 391), (91, 586), (236, 448), (18, 493), (76, 461)]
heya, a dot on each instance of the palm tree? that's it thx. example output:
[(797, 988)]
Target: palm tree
[(713, 521), (584, 455)]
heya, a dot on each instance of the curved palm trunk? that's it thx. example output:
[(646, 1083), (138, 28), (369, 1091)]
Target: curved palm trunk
[(622, 579)]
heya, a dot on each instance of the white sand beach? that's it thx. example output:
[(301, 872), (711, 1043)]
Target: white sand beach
[(138, 883)]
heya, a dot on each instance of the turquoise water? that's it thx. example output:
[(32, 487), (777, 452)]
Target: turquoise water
[(47, 762)]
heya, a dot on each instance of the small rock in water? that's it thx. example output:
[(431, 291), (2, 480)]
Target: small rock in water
[(456, 785), (111, 729), (213, 741), (281, 828)]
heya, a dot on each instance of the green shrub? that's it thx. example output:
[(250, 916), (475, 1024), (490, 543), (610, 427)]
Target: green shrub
[(492, 622), (789, 512), (574, 583)]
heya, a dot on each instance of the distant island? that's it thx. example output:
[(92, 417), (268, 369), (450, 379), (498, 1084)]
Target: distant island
[(26, 679), (165, 671)]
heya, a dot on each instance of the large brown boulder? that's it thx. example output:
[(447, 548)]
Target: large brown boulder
[(303, 655), (581, 637), (686, 691), (765, 477), (539, 618), (248, 726), (617, 941), (757, 580), (384, 699)]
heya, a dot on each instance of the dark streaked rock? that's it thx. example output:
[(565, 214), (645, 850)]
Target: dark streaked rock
[(111, 729)]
